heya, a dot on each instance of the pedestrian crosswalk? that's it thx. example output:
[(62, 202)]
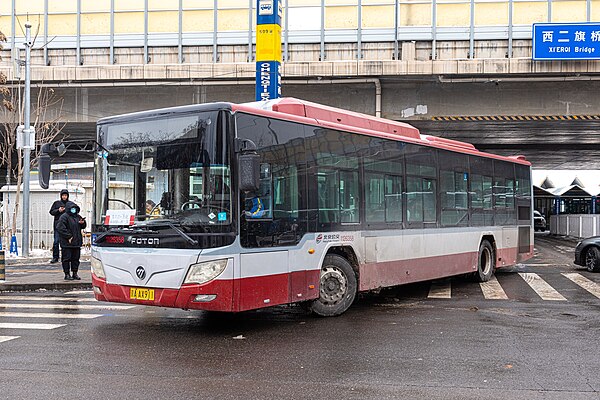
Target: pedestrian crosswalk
[(492, 290), (440, 290), (541, 287), (26, 313), (533, 285)]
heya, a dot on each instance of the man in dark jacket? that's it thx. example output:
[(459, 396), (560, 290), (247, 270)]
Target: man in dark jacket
[(57, 209), (69, 229)]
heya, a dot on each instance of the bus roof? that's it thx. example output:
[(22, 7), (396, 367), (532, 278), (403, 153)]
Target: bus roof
[(165, 111), (363, 123)]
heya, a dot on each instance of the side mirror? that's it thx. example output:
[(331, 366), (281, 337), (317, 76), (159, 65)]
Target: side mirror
[(249, 172), (44, 163)]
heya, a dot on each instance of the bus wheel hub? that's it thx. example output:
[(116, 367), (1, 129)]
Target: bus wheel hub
[(333, 285)]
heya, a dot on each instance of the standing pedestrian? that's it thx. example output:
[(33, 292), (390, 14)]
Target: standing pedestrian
[(57, 209), (69, 228)]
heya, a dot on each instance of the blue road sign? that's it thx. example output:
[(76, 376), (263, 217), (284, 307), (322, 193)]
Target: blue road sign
[(14, 248), (268, 78), (566, 41)]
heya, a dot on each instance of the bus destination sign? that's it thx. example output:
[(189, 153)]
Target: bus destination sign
[(579, 41)]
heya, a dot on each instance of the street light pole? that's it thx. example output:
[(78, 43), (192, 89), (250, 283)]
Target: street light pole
[(26, 142)]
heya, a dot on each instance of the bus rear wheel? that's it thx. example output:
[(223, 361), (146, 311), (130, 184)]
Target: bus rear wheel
[(337, 287), (486, 262)]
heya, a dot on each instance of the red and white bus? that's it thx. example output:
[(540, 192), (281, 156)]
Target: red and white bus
[(233, 207)]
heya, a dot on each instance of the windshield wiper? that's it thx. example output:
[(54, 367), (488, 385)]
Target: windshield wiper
[(182, 234)]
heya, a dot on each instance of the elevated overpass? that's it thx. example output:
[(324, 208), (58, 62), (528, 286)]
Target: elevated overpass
[(448, 67)]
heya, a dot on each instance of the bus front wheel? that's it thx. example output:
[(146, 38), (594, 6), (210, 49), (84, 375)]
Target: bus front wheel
[(337, 287), (486, 262)]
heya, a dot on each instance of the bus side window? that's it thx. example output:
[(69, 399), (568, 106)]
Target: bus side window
[(421, 186), (328, 196)]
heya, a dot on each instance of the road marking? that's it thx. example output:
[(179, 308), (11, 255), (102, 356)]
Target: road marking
[(8, 325), (48, 315), (543, 265), (541, 287), (65, 306), (80, 292), (584, 282), (440, 290), (7, 338), (39, 298), (492, 290)]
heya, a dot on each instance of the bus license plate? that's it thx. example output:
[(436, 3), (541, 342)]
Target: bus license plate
[(141, 294)]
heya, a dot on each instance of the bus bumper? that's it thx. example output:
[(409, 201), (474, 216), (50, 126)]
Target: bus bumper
[(216, 295)]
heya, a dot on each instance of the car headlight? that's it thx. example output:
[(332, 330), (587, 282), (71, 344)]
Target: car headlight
[(97, 268), (205, 271)]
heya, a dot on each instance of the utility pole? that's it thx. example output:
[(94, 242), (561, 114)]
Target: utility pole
[(26, 141)]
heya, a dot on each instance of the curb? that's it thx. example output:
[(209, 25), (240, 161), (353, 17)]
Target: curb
[(35, 261), (28, 287)]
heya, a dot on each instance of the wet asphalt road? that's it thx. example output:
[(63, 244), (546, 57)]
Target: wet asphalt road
[(395, 344)]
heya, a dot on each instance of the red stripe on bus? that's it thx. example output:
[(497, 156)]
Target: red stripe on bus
[(270, 290), (253, 291), (399, 272), (391, 273)]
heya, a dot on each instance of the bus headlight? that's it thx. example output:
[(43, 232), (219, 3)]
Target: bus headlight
[(205, 271), (97, 268)]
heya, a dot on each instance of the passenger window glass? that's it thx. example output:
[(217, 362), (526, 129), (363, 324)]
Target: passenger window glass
[(333, 159), (375, 192), (523, 184), (487, 192), (285, 192), (500, 193), (328, 196), (393, 199), (454, 198), (383, 188), (420, 200), (482, 171), (349, 198), (421, 191), (504, 187)]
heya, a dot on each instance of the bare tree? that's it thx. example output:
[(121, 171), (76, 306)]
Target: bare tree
[(4, 92), (46, 112)]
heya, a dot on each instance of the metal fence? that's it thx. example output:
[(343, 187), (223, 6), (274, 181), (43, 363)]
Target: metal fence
[(575, 225), (41, 233), (41, 223)]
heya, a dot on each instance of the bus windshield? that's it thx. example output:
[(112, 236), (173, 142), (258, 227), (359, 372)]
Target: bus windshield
[(169, 171)]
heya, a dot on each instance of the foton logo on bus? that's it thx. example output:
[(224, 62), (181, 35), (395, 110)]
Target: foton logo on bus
[(143, 240), (114, 239)]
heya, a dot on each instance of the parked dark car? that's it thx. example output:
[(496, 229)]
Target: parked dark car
[(587, 254), (539, 222)]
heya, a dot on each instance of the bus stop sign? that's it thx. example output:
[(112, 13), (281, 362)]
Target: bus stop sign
[(566, 41)]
